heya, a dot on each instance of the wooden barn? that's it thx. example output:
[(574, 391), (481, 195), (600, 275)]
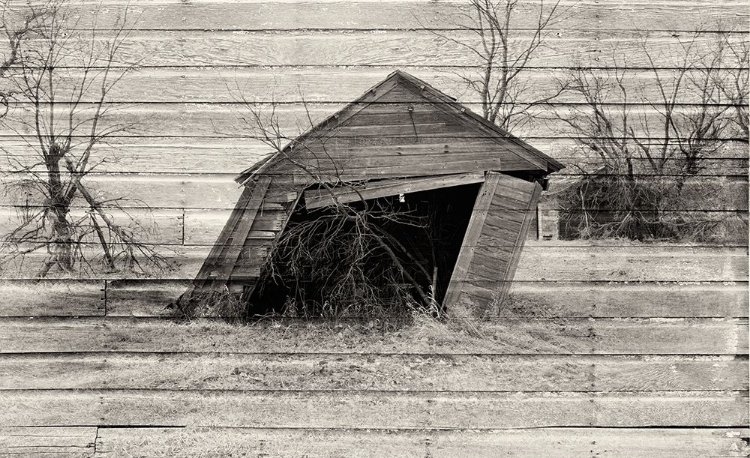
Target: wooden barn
[(603, 347), (401, 138)]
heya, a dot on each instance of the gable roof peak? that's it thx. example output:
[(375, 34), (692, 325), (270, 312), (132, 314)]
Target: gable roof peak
[(420, 87)]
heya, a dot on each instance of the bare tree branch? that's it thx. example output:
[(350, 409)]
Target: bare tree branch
[(502, 54)]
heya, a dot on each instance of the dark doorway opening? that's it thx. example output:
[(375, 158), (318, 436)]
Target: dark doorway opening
[(332, 261)]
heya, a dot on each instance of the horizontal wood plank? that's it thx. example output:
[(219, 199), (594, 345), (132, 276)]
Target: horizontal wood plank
[(165, 193), (48, 441), (201, 227), (144, 298), (608, 264), (207, 155), (531, 443), (49, 298), (226, 120), (298, 84), (520, 336), (439, 373), (305, 48), (617, 299), (159, 196), (164, 226), (150, 298), (325, 197), (371, 409), (527, 299), (539, 263), (411, 14)]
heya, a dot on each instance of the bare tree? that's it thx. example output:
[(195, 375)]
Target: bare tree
[(502, 53), (58, 81), (646, 147)]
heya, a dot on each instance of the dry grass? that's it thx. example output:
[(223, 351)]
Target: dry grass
[(210, 304), (413, 333), (405, 329)]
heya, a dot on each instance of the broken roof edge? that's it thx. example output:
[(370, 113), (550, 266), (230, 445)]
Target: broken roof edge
[(257, 168)]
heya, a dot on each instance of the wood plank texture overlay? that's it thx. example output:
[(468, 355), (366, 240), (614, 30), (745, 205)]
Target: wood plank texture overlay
[(492, 244), (601, 348)]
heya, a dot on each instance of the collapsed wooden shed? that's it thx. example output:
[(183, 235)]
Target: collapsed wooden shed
[(401, 138)]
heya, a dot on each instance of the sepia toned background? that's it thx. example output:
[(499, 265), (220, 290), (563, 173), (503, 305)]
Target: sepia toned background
[(608, 347)]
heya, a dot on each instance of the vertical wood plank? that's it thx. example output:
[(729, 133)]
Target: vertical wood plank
[(492, 246), (476, 223), (203, 278), (521, 239), (243, 229)]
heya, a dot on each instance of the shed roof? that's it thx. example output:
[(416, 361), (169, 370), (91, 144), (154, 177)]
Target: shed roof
[(405, 88)]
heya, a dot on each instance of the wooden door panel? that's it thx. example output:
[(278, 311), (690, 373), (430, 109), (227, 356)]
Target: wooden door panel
[(492, 245)]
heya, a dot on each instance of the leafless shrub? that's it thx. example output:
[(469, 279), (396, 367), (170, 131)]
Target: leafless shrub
[(644, 158), (349, 262)]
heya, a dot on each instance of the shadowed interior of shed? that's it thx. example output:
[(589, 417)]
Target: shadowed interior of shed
[(425, 230)]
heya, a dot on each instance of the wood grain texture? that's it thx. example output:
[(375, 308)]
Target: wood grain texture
[(200, 227), (225, 120), (148, 298), (397, 373), (385, 48), (503, 225), (297, 84), (49, 298), (694, 336), (322, 197), (144, 298), (155, 191), (48, 441), (224, 265), (532, 443), (508, 197), (230, 155), (623, 299), (622, 336), (611, 264), (562, 261), (471, 235), (159, 195), (412, 14), (163, 226), (371, 409), (221, 245)]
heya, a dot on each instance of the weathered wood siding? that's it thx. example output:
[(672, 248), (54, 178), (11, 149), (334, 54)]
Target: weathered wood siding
[(615, 348), (624, 347), (492, 245), (503, 237)]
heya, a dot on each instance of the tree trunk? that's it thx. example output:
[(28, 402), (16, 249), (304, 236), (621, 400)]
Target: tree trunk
[(60, 243)]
